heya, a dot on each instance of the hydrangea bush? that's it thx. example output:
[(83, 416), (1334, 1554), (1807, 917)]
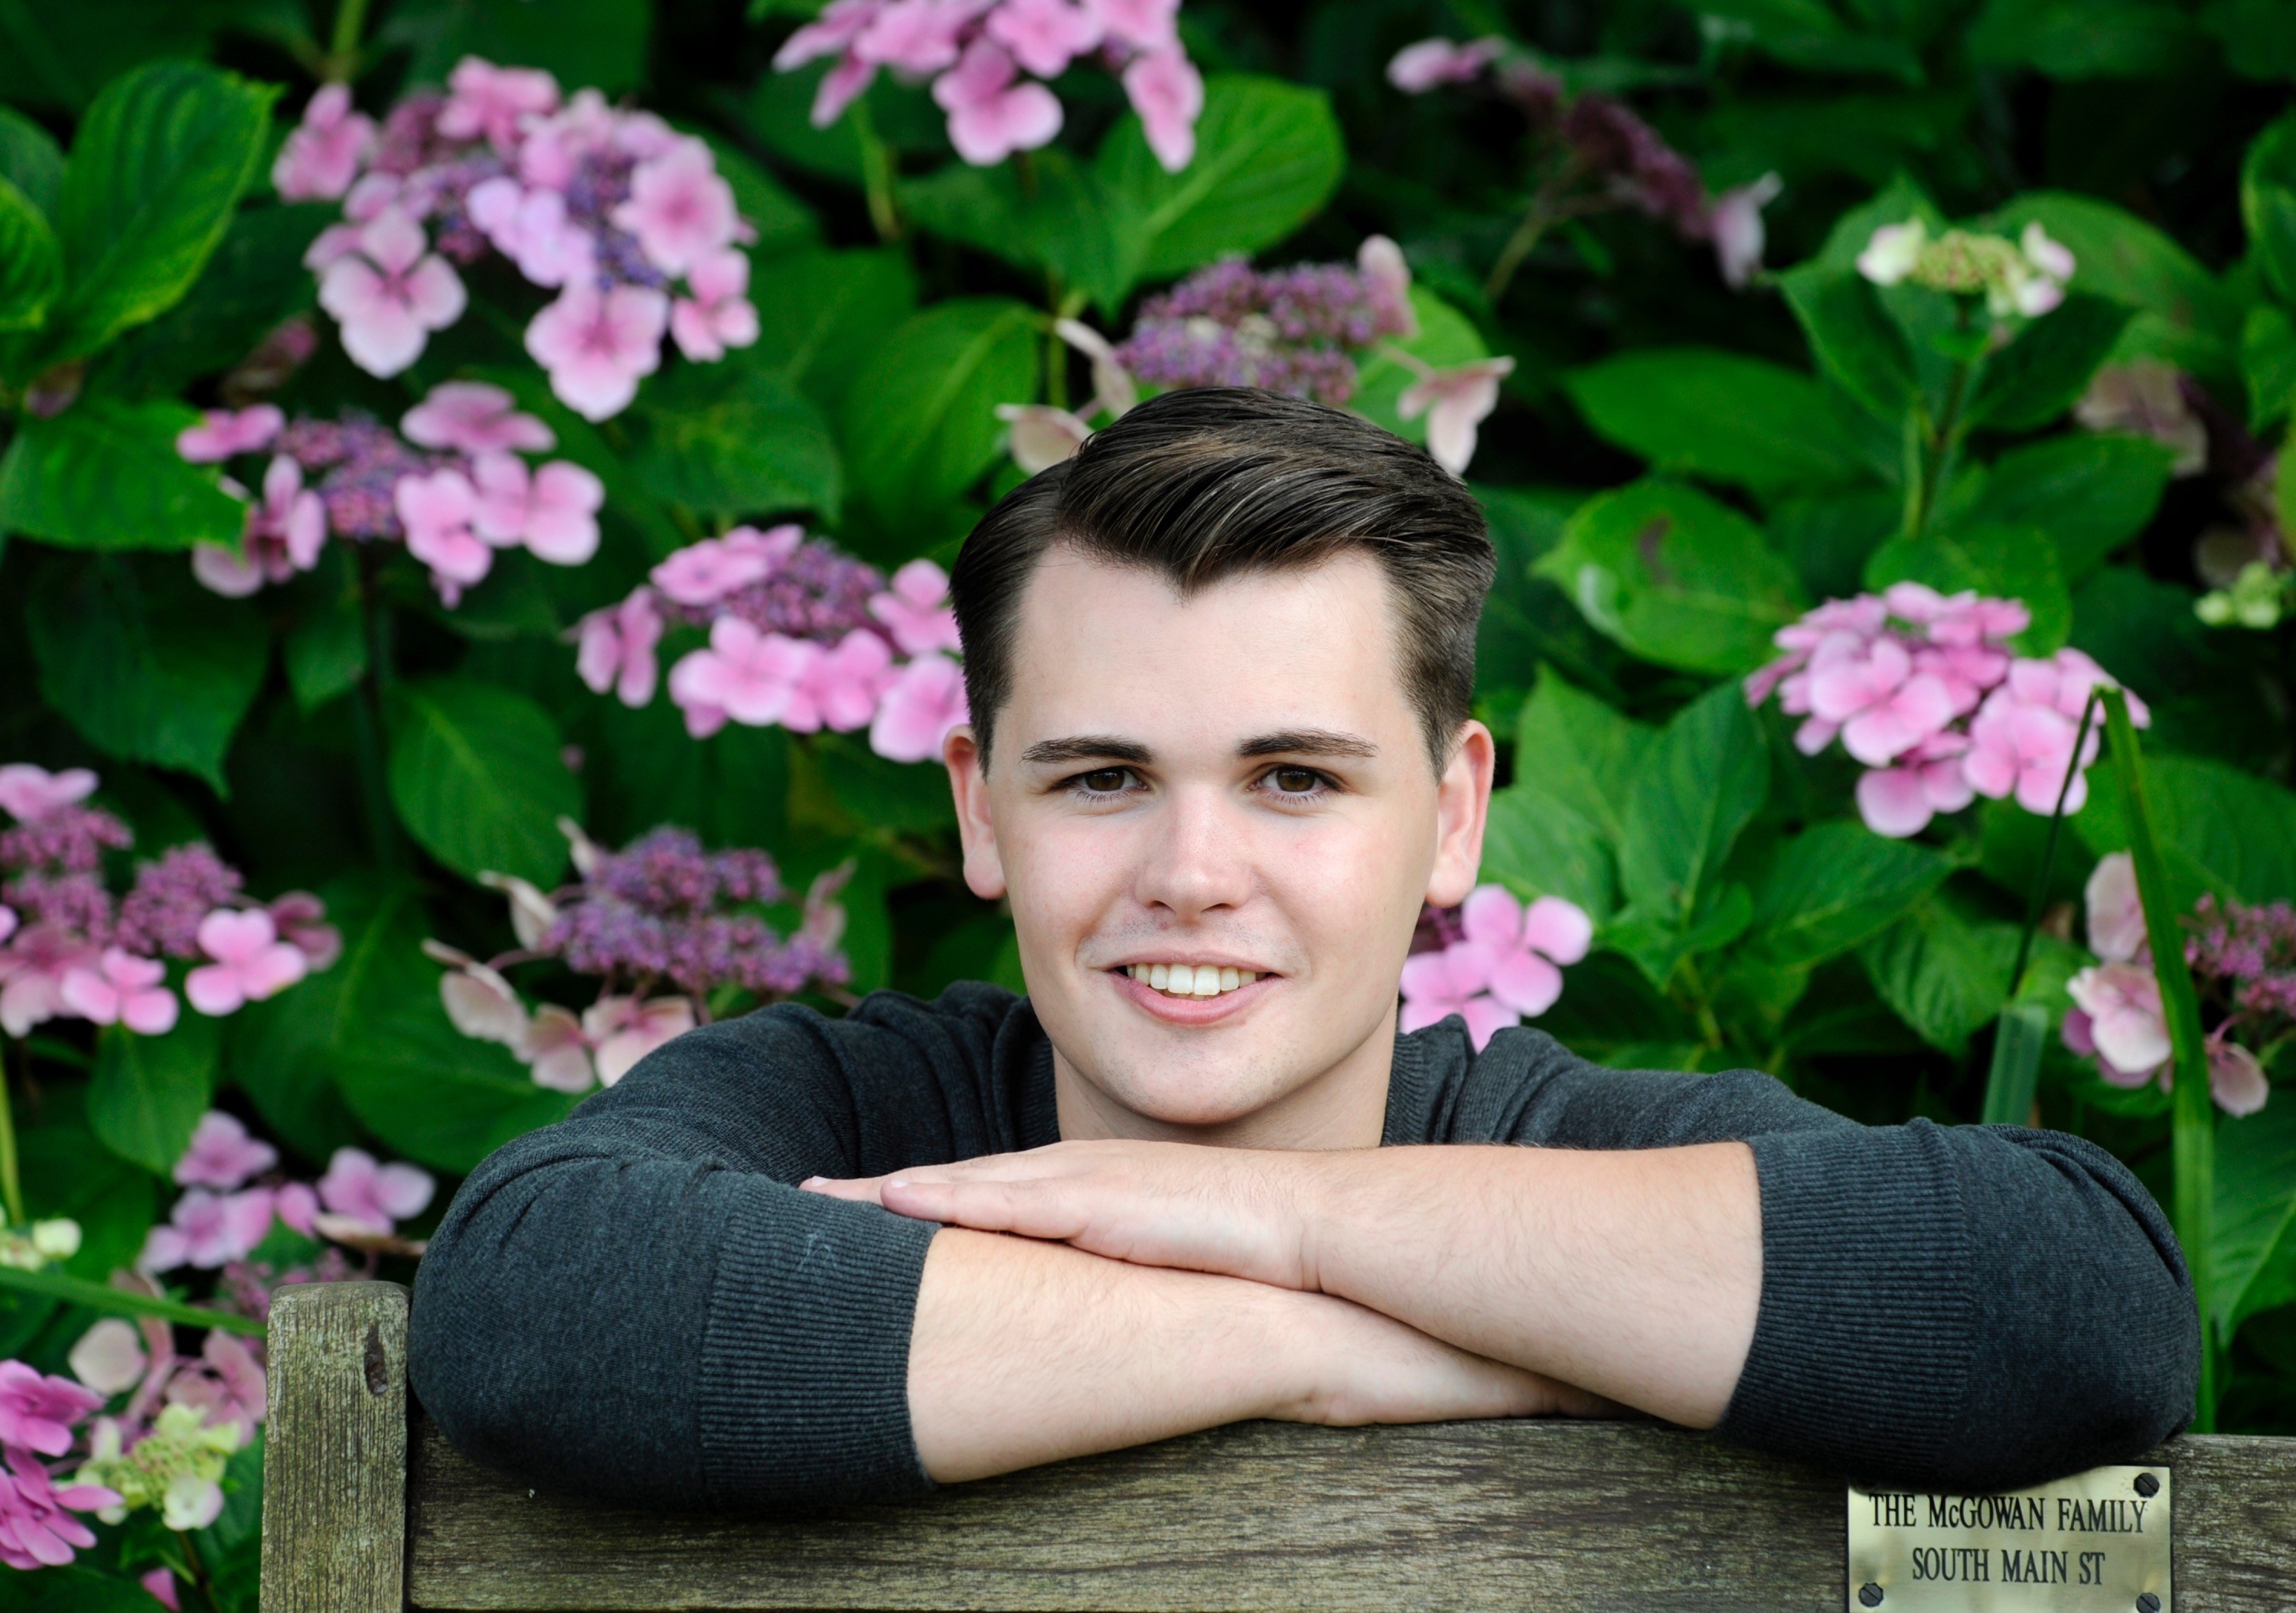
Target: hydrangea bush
[(480, 422)]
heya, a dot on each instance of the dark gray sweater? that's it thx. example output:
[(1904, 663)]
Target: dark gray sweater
[(638, 1304)]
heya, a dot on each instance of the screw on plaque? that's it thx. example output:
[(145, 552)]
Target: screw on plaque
[(1870, 1594), (2146, 1602), (2146, 1485)]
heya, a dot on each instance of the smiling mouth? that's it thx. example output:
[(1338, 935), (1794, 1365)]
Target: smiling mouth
[(1190, 979)]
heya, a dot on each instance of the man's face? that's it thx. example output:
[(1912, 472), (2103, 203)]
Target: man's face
[(1204, 791)]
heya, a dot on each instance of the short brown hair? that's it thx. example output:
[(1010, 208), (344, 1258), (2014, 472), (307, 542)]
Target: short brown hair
[(1209, 482)]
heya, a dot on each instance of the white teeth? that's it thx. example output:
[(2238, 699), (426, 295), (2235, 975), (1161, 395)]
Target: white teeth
[(1190, 979)]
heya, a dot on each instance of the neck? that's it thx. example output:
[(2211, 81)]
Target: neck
[(1343, 1107)]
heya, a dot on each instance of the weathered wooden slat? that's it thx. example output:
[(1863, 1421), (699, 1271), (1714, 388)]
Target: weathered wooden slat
[(334, 1467), (1482, 1515)]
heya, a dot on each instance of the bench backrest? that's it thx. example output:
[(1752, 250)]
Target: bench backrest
[(369, 1511)]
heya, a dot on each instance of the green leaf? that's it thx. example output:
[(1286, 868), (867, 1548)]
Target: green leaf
[(782, 221), (284, 1052), (2267, 362), (325, 652), (30, 160), (2221, 830), (1446, 338), (2183, 313), (2087, 39), (1718, 414), (2254, 1248), (1944, 970), (645, 769), (821, 316), (104, 475), (156, 169), (1827, 537), (2036, 377), (1062, 220), (1807, 34), (478, 780), (255, 280), (1536, 846), (149, 1092), (1704, 777), (147, 665), (1852, 337), (734, 438), (1834, 886), (31, 269), (1581, 751), (599, 44), (2259, 35), (433, 1094), (1656, 941), (1676, 578), (2089, 493), (2005, 563), (2268, 205), (1268, 156), (904, 796), (919, 423)]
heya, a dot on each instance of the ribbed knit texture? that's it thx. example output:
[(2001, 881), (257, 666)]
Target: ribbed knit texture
[(638, 1303)]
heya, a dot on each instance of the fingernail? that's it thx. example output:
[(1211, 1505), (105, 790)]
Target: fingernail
[(896, 1182), (813, 1182)]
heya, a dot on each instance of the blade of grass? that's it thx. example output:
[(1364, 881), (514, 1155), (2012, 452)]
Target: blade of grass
[(120, 1302), (2193, 1112)]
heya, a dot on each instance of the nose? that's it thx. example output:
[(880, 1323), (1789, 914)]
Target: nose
[(1198, 855)]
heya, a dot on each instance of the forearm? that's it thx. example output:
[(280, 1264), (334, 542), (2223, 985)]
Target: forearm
[(1633, 1273)]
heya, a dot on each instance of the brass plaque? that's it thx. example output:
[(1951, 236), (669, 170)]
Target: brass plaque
[(2095, 1542)]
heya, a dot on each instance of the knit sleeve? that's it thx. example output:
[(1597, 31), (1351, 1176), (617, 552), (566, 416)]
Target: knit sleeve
[(639, 1305)]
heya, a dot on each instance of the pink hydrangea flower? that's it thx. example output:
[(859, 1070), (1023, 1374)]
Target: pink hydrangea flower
[(924, 700), (494, 101), (120, 988), (1900, 801), (1417, 69), (37, 1529), (1734, 221), (28, 793), (916, 608), (390, 292), (624, 1030), (1145, 25), (616, 649), (556, 1052), (1523, 945), (553, 511), (597, 345), (1167, 91), (472, 417), (226, 1388), (2236, 1077), (2025, 749), (1044, 35), (108, 1357), (161, 1583), (252, 962), (209, 1230), (679, 208), (32, 974), (222, 1155), (719, 314), (283, 535), (226, 433), (990, 116), (1042, 436), (8, 922), (703, 573), (2123, 1020), (531, 229), (38, 1412), (1881, 704), (437, 510), (376, 1196), (747, 676), (323, 153), (1436, 985), (300, 918), (916, 36), (1457, 401), (2116, 915), (838, 687)]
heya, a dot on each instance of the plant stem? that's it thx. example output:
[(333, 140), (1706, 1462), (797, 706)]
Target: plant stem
[(11, 1186), (1942, 443), (343, 59), (367, 719), (876, 174), (2193, 1134), (1535, 222)]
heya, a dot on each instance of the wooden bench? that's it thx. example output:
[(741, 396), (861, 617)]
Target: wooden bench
[(367, 1509)]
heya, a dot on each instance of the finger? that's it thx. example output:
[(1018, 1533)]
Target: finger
[(1031, 1209), (858, 1189)]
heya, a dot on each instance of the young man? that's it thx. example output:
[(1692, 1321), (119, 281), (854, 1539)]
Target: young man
[(1219, 667)]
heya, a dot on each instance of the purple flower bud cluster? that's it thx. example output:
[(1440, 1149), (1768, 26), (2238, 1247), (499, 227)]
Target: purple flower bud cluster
[(665, 909), (819, 593), (160, 916), (1294, 329), (363, 459), (2250, 952), (1614, 145)]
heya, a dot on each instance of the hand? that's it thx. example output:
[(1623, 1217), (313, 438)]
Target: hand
[(1239, 1212), (1362, 1367)]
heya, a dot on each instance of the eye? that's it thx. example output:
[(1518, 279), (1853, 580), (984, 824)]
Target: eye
[(1303, 782), (1104, 782)]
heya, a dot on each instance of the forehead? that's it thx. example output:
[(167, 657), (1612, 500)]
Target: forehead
[(1108, 648)]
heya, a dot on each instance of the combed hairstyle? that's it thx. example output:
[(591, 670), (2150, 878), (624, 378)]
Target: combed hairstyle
[(1211, 482)]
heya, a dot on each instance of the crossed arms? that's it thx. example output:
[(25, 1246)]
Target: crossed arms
[(1194, 1286)]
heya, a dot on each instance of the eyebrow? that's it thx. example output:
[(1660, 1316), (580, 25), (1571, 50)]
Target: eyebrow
[(1288, 742)]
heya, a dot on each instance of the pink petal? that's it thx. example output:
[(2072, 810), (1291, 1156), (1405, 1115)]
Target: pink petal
[(1558, 928), (1526, 982)]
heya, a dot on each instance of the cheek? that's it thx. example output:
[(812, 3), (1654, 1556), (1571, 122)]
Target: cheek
[(1063, 873)]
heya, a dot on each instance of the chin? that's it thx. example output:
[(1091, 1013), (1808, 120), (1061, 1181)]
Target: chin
[(1198, 1092)]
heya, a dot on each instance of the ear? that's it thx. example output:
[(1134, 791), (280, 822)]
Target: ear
[(984, 870), (1462, 806)]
